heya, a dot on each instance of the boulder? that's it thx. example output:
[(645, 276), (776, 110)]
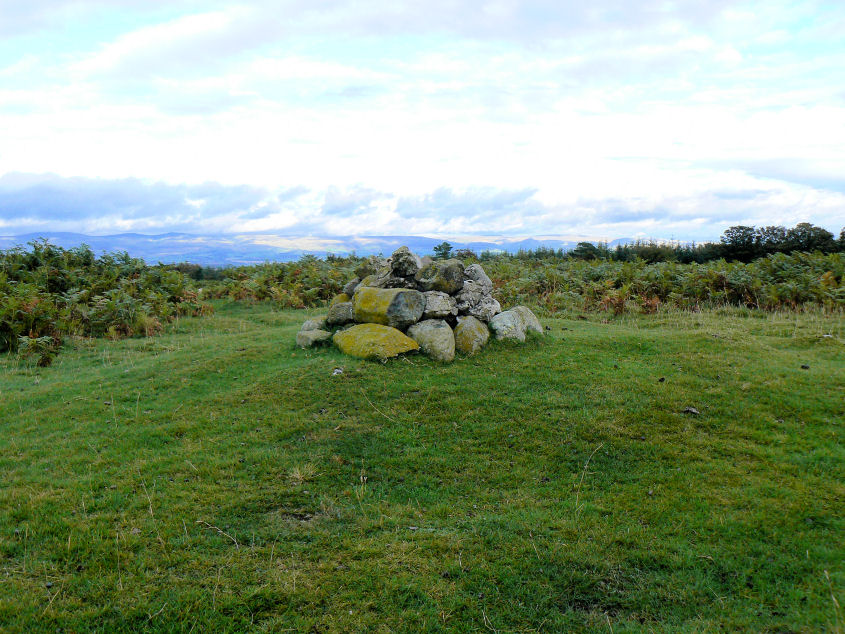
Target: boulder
[(339, 299), (403, 263), (512, 324), (315, 323), (508, 325), (446, 276), (435, 339), (370, 266), (485, 309), (351, 285), (470, 335), (469, 295), (340, 314), (309, 338), (396, 307), (379, 279), (475, 273), (373, 341), (439, 305), (529, 319)]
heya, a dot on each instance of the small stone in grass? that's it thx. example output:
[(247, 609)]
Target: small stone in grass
[(804, 366), (661, 379), (691, 410)]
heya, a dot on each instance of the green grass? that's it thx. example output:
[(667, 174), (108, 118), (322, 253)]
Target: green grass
[(217, 479)]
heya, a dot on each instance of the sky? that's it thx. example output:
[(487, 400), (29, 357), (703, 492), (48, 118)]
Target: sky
[(601, 119)]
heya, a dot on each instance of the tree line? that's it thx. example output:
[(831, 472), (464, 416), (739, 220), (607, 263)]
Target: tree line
[(739, 243)]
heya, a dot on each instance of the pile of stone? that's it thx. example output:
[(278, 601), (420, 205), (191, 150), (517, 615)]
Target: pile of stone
[(406, 303)]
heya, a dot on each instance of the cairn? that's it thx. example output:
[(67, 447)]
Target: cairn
[(406, 303)]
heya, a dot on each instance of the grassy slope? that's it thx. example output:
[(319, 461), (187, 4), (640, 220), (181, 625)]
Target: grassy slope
[(215, 478)]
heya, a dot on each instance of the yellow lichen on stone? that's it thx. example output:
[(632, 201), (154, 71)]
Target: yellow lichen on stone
[(371, 304), (373, 341), (338, 299)]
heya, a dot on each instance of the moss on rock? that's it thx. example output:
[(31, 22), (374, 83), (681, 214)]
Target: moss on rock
[(397, 307), (373, 341)]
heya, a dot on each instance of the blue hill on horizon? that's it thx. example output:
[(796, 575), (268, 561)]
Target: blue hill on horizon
[(256, 248)]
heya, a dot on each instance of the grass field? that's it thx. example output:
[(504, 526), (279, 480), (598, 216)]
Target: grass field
[(217, 479)]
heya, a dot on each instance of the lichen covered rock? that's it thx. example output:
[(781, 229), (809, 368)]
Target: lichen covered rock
[(340, 314), (439, 305), (309, 338), (512, 324), (351, 285), (340, 299), (446, 276), (370, 266), (470, 335), (373, 341), (315, 323), (435, 339), (485, 309), (475, 273), (529, 319), (403, 263), (396, 307)]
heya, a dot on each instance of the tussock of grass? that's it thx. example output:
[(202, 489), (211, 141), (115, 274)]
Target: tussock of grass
[(216, 478)]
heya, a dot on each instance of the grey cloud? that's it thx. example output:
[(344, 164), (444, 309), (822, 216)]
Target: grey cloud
[(32, 200), (48, 202)]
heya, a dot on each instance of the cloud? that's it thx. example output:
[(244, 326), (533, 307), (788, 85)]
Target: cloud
[(31, 203), (334, 116)]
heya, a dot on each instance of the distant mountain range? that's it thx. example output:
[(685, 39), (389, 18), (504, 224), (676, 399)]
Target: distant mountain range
[(255, 248)]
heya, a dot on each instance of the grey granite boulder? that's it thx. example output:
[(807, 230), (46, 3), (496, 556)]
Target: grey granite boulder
[(475, 273), (403, 263), (435, 339), (529, 319), (439, 305), (508, 325), (512, 324), (351, 285), (315, 323), (446, 276), (340, 314), (468, 296), (485, 309), (309, 338), (370, 266)]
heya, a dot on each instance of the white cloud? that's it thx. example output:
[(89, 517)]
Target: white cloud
[(593, 107)]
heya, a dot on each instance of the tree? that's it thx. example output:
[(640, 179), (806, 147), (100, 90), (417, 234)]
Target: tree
[(443, 251), (807, 237), (585, 251), (772, 239), (741, 243)]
